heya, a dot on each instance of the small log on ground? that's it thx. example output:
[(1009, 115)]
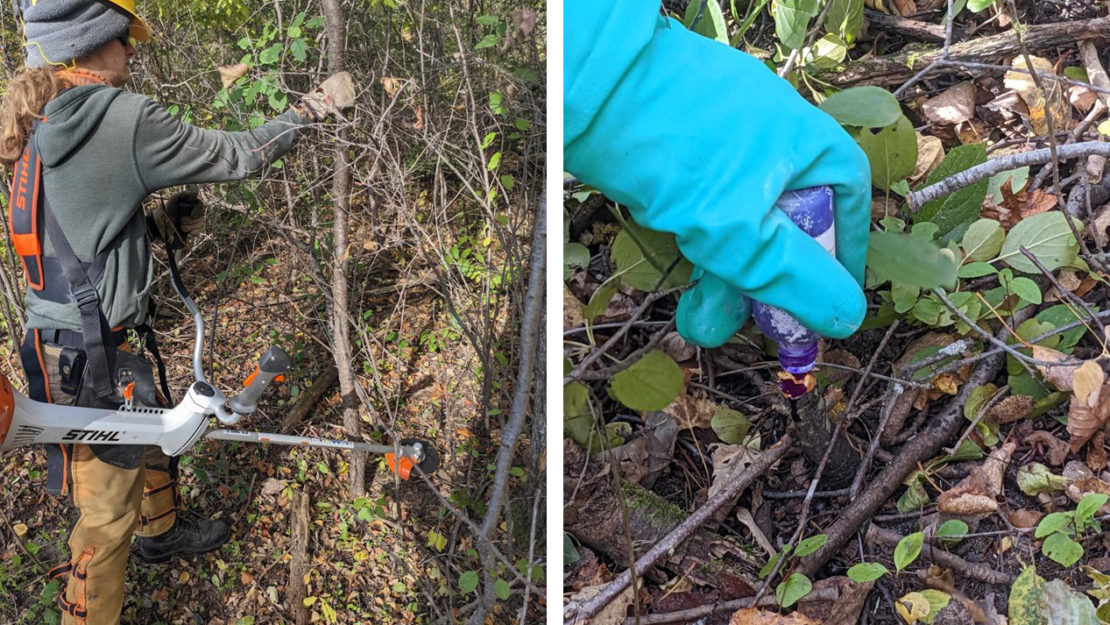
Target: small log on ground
[(309, 399), (592, 514), (897, 68), (298, 566)]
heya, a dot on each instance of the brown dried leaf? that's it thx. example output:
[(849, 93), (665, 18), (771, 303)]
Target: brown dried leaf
[(614, 612), (729, 461), (230, 73), (1024, 517), (976, 494), (419, 123), (953, 106), (845, 608), (1041, 104), (755, 616), (1096, 451), (1087, 382), (646, 456), (1013, 408), (1085, 419), (930, 152), (692, 412), (1059, 375), (677, 348), (1057, 450), (1084, 482), (391, 84), (1069, 279), (572, 310), (1081, 98)]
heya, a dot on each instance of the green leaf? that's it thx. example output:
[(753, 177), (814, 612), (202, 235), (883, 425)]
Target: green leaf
[(915, 498), (962, 207), (792, 20), (1065, 606), (904, 296), (712, 21), (976, 270), (270, 55), (866, 572), (1088, 506), (811, 544), (652, 383), (869, 107), (570, 553), (845, 18), (1060, 548), (910, 260), (792, 589), (487, 42), (952, 529), (937, 602), (1104, 128), (1035, 478), (578, 417), (1027, 599), (575, 256), (1052, 523), (641, 256), (501, 589), (600, 299), (907, 549), (1017, 177), (827, 52), (1047, 236), (299, 49), (1027, 290), (468, 581), (983, 240), (730, 426), (892, 151), (979, 5), (1061, 315)]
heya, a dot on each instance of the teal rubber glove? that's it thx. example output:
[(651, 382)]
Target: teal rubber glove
[(700, 139)]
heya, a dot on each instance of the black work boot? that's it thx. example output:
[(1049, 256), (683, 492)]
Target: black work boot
[(196, 535)]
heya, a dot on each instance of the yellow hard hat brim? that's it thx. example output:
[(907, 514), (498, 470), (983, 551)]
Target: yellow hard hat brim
[(139, 31)]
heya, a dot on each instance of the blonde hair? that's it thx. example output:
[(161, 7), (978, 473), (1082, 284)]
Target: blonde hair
[(26, 94)]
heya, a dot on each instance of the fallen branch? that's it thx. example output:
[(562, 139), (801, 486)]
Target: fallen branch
[(702, 611), (974, 174), (914, 29), (579, 612), (298, 564), (896, 68), (919, 449), (309, 398), (981, 572)]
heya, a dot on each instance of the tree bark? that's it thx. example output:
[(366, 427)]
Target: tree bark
[(336, 28), (897, 68)]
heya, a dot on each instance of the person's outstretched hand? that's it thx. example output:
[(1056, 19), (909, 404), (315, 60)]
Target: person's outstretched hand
[(700, 139)]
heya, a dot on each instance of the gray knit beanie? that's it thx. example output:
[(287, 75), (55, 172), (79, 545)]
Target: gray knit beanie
[(58, 31)]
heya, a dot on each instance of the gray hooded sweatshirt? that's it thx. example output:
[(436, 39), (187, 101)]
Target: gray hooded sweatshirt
[(103, 151)]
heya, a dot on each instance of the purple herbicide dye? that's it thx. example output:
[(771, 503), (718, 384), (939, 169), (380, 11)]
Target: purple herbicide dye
[(811, 210)]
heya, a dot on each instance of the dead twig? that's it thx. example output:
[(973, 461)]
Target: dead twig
[(977, 571), (579, 612), (970, 176), (917, 450)]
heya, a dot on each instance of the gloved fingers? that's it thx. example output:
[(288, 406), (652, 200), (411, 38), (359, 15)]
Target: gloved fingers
[(339, 89), (852, 210), (183, 203), (711, 311)]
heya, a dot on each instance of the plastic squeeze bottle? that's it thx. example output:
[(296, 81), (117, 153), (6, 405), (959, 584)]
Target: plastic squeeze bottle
[(811, 210)]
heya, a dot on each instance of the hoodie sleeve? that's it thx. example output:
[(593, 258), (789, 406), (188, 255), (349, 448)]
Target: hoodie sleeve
[(169, 152)]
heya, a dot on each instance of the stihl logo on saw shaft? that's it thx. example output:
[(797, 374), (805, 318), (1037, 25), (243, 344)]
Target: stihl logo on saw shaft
[(91, 435)]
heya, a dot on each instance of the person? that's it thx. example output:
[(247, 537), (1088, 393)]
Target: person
[(699, 139), (94, 152)]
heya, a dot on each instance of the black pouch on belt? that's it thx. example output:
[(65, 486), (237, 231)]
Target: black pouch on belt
[(129, 368)]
